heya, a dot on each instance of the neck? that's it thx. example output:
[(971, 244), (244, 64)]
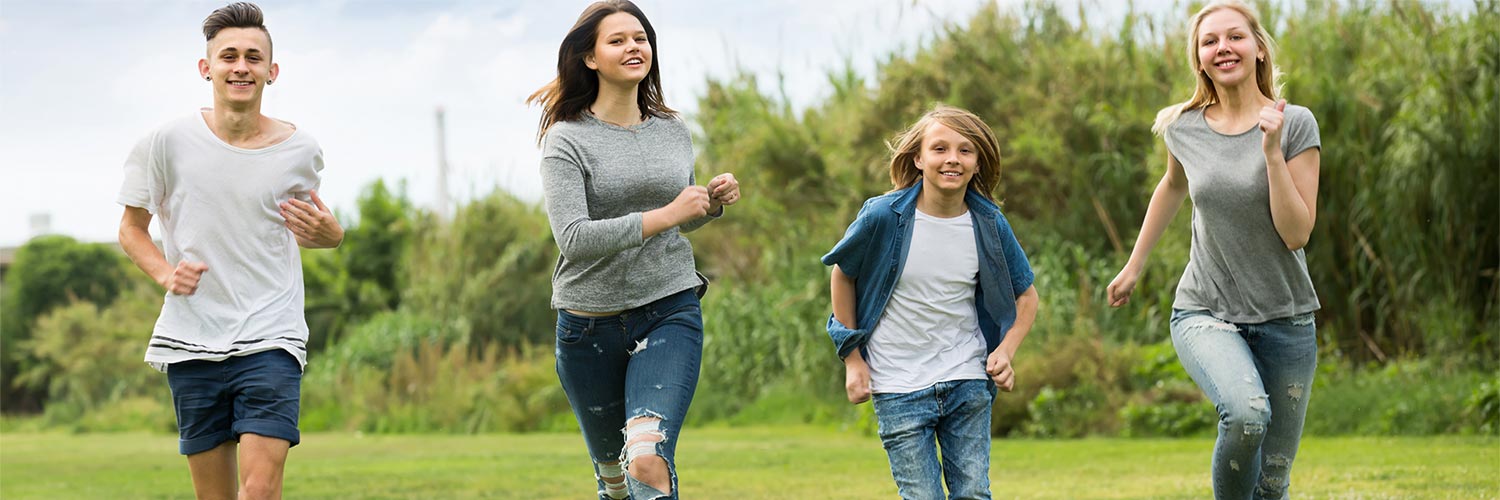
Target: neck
[(235, 124), (1242, 99), (937, 203), (617, 104)]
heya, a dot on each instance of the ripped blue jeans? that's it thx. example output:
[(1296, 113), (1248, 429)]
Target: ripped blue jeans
[(1259, 376), (622, 372)]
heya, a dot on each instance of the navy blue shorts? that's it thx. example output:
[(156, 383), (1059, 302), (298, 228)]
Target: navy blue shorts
[(216, 401)]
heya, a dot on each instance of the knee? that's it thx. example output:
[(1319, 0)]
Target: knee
[(259, 488), (1248, 418), (643, 462), (650, 469)]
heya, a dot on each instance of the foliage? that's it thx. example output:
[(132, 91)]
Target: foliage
[(49, 272), (363, 275), (88, 361), (490, 268)]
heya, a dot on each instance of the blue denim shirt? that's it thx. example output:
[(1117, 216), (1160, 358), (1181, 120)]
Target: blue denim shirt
[(874, 249)]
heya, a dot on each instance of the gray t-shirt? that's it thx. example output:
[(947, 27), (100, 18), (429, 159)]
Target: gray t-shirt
[(1239, 268), (220, 205), (599, 179)]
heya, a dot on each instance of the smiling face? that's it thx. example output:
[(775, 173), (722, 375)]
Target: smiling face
[(239, 65), (622, 50), (1227, 50), (947, 159)]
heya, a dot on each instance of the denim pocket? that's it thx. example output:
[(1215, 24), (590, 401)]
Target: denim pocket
[(570, 329)]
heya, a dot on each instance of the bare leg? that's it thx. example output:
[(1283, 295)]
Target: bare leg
[(263, 460), (214, 472)]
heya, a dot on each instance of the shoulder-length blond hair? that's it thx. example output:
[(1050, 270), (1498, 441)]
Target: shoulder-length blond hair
[(1267, 75), (907, 145)]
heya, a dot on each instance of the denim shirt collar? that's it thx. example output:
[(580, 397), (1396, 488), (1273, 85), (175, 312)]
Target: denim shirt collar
[(906, 202)]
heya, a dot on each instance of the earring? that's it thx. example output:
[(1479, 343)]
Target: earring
[(208, 78), (268, 82)]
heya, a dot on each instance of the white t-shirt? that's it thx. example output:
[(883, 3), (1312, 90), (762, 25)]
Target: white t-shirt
[(219, 204), (929, 332)]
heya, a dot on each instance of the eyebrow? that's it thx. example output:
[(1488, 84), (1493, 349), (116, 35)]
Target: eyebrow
[(251, 50), (622, 33)]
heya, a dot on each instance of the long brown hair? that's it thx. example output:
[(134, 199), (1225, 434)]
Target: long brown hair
[(1267, 75), (907, 145), (566, 97)]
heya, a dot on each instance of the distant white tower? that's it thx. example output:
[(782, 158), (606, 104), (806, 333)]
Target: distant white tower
[(41, 223), (443, 202)]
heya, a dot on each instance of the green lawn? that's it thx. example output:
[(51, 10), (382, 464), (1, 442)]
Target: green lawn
[(793, 463)]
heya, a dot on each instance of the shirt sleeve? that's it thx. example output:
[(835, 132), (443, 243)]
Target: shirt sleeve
[(140, 174), (1021, 276), (1300, 132), (579, 237), (849, 254)]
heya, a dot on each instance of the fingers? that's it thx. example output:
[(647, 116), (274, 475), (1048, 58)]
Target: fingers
[(318, 201), (1281, 105), (184, 280), (295, 210), (1119, 295), (1006, 380)]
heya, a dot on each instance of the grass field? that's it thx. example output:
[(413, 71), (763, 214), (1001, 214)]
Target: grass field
[(790, 463)]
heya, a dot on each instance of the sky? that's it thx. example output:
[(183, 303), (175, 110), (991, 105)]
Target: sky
[(81, 81)]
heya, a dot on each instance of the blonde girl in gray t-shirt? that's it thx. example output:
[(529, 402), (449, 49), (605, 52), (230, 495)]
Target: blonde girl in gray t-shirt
[(1242, 321)]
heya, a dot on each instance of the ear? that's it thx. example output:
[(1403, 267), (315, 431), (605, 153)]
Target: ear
[(203, 68), (588, 60), (275, 70)]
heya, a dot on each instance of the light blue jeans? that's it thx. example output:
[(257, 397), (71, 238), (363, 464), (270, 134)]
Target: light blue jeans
[(1259, 376), (953, 415)]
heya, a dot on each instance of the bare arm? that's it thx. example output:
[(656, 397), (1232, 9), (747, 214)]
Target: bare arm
[(1294, 183), (1165, 202), (998, 364), (135, 239), (856, 371)]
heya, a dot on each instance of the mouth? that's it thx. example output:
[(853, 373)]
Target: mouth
[(634, 61), (1227, 65), (952, 175), (240, 84)]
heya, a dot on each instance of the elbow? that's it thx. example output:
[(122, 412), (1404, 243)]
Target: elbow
[(1296, 242), (573, 251)]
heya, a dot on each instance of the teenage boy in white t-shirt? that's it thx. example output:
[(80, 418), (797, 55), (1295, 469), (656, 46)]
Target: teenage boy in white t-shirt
[(235, 194)]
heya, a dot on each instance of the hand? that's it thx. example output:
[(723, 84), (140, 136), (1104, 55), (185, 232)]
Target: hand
[(184, 279), (313, 224), (857, 380), (1122, 286), (690, 204), (1270, 123), (1000, 371), (723, 190)]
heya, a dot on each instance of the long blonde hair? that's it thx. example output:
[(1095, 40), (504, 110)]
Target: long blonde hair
[(908, 144), (1267, 75)]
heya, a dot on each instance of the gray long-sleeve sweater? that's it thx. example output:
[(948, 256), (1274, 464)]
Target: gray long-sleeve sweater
[(599, 179)]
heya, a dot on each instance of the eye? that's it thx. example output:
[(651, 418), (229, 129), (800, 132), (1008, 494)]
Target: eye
[(1236, 37), (640, 39), (1208, 41), (939, 149)]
